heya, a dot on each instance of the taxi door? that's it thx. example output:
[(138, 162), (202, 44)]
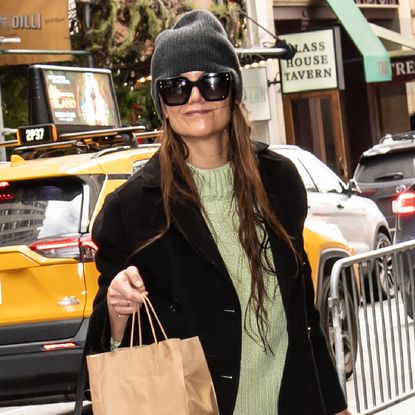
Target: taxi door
[(42, 287)]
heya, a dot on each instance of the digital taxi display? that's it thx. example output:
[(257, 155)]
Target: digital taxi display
[(72, 98), (81, 98)]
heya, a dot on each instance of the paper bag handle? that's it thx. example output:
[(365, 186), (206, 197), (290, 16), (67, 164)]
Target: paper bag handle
[(147, 305)]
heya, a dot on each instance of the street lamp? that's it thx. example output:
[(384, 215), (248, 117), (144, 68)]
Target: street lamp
[(3, 131), (281, 50)]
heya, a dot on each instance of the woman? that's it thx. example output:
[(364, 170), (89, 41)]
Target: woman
[(211, 228)]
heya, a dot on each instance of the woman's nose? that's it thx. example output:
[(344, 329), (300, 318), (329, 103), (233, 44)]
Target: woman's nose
[(195, 95)]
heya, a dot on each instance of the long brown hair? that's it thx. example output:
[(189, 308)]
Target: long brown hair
[(252, 203)]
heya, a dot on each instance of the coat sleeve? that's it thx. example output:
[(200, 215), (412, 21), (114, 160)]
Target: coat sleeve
[(110, 233), (286, 189), (329, 382)]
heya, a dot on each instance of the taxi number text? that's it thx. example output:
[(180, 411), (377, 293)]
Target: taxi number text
[(37, 134)]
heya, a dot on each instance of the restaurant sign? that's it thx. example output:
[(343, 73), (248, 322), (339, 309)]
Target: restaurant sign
[(316, 64), (378, 2), (403, 68), (39, 24)]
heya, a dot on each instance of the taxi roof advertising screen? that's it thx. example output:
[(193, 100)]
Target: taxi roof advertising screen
[(81, 98), (73, 98)]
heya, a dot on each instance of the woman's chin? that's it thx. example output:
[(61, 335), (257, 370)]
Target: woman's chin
[(199, 131)]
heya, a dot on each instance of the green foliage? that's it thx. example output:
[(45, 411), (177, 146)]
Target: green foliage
[(231, 19), (136, 105), (122, 36), (13, 85), (123, 31)]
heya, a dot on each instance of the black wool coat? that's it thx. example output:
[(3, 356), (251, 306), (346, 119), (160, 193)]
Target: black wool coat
[(192, 291)]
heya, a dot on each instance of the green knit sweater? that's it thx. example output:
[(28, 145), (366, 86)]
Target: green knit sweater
[(261, 371)]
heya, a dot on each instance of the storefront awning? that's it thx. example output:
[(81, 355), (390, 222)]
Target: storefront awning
[(376, 60), (402, 58), (394, 37)]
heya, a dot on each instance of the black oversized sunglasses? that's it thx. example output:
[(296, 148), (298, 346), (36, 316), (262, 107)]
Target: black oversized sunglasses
[(212, 87)]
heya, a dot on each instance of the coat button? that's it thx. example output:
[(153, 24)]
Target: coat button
[(175, 307)]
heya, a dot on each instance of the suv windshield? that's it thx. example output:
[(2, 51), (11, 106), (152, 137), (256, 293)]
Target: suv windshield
[(393, 166), (32, 210)]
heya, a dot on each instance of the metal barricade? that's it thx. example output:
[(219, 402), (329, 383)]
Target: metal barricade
[(373, 296)]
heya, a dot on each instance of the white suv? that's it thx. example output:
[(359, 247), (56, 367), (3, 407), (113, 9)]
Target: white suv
[(331, 201)]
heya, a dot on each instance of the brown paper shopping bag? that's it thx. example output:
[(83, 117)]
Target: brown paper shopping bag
[(200, 393), (166, 377)]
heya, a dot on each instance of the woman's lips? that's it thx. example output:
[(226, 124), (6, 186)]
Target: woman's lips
[(196, 112)]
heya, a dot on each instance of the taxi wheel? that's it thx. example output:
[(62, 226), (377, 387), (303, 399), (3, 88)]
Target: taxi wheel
[(348, 326)]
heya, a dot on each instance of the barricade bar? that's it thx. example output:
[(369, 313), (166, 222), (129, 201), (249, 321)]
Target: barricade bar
[(372, 303)]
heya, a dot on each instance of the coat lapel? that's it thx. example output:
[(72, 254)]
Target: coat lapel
[(192, 225), (286, 263), (190, 222), (187, 219), (285, 268)]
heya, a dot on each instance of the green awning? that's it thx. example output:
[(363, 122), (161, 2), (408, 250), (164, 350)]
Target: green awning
[(375, 57)]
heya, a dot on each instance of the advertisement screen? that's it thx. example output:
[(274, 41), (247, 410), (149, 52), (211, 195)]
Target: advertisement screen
[(81, 98)]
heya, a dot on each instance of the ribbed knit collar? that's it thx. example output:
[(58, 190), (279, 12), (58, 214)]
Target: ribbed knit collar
[(213, 184)]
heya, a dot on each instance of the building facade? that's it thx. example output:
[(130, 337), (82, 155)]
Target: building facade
[(374, 62)]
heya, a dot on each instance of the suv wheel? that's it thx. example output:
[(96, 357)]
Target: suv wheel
[(385, 271), (349, 331), (409, 298)]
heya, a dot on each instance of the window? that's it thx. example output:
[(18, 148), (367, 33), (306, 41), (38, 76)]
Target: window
[(325, 179), (386, 167), (308, 181), (40, 209)]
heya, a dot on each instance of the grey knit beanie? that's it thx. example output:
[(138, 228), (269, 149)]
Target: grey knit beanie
[(197, 42)]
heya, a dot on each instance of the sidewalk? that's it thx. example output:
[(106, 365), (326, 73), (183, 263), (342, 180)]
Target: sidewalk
[(404, 408)]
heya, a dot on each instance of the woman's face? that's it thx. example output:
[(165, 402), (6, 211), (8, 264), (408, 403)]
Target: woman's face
[(199, 118)]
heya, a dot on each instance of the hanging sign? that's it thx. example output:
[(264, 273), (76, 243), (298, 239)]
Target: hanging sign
[(40, 24), (256, 93), (316, 64)]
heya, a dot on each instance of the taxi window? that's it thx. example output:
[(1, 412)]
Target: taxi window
[(32, 210)]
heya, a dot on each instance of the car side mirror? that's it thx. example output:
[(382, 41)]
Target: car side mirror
[(352, 187)]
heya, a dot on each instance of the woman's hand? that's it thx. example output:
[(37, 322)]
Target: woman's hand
[(124, 294), (345, 412)]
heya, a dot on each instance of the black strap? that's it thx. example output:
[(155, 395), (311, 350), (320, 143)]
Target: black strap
[(82, 380)]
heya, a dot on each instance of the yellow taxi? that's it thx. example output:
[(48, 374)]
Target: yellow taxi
[(48, 279)]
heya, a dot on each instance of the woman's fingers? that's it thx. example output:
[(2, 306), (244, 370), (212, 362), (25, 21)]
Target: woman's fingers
[(134, 278), (125, 310), (126, 291), (121, 301), (129, 284)]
